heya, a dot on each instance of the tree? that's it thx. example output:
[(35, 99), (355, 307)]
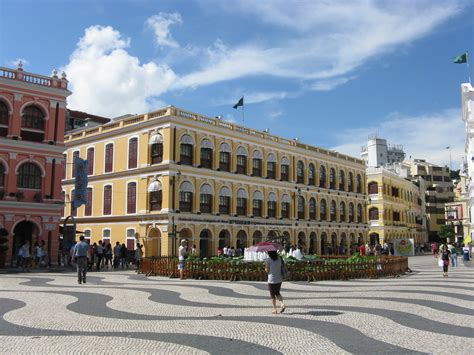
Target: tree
[(454, 174), (446, 232)]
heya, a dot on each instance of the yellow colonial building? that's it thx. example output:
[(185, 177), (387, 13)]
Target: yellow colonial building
[(394, 208), (172, 174)]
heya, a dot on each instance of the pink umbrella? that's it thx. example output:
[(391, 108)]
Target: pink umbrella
[(265, 247)]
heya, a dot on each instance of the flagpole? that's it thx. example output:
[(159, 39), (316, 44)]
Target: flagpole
[(243, 114), (468, 68)]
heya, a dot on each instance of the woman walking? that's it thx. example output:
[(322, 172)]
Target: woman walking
[(273, 267), (445, 254)]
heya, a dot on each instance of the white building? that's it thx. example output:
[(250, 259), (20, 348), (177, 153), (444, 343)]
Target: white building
[(467, 99), (379, 153)]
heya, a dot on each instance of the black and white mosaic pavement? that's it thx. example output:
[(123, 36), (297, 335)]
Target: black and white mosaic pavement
[(121, 312)]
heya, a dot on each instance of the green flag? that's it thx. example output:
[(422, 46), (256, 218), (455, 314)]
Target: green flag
[(460, 59), (239, 103)]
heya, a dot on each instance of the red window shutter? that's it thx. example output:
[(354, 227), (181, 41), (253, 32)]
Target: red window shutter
[(88, 208), (132, 153), (75, 155), (90, 161), (108, 200), (131, 197), (109, 158)]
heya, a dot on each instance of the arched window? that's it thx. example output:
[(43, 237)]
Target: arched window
[(29, 176), (32, 124), (90, 161), (155, 196), (2, 176), (359, 184), (271, 166), (75, 156), (332, 179), (342, 212), (156, 148), (205, 198), (224, 157), (285, 206), (242, 202), (132, 197), (322, 176), (272, 205), (311, 174), (186, 191), (133, 153), (241, 160), (374, 214), (300, 172), (257, 204), (351, 212), (373, 188), (342, 180), (322, 210), (107, 200), (224, 200), (332, 211), (257, 163), (109, 158), (73, 205), (186, 149), (350, 181), (88, 207), (207, 150), (3, 119), (285, 169), (312, 209), (359, 213), (301, 206)]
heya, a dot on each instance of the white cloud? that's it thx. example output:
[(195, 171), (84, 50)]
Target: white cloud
[(423, 137), (319, 39), (160, 24), (329, 84), (275, 114), (107, 80)]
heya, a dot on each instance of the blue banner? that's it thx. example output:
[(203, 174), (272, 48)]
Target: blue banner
[(80, 186)]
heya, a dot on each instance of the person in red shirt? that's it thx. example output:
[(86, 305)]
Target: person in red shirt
[(362, 250)]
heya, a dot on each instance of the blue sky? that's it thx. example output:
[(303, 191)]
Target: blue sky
[(328, 72)]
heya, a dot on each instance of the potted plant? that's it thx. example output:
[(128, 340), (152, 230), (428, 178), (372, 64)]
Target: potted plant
[(37, 197), (19, 195), (3, 246)]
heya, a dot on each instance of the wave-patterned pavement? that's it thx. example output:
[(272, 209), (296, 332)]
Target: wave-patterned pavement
[(121, 312)]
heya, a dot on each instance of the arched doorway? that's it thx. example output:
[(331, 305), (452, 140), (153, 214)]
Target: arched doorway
[(205, 243), (241, 240), (257, 237), (324, 243), (343, 244), (302, 242), (374, 238), (24, 231), (224, 238), (333, 249), (312, 243), (153, 243)]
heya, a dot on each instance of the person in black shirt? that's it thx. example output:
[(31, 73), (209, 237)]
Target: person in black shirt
[(445, 255)]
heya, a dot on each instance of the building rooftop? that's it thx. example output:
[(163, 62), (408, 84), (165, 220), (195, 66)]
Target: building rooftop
[(173, 111)]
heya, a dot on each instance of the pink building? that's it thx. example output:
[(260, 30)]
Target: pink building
[(32, 116)]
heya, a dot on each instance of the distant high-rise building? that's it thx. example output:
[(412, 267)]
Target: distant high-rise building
[(379, 153)]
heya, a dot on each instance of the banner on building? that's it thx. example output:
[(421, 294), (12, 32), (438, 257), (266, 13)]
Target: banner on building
[(80, 187), (404, 247)]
